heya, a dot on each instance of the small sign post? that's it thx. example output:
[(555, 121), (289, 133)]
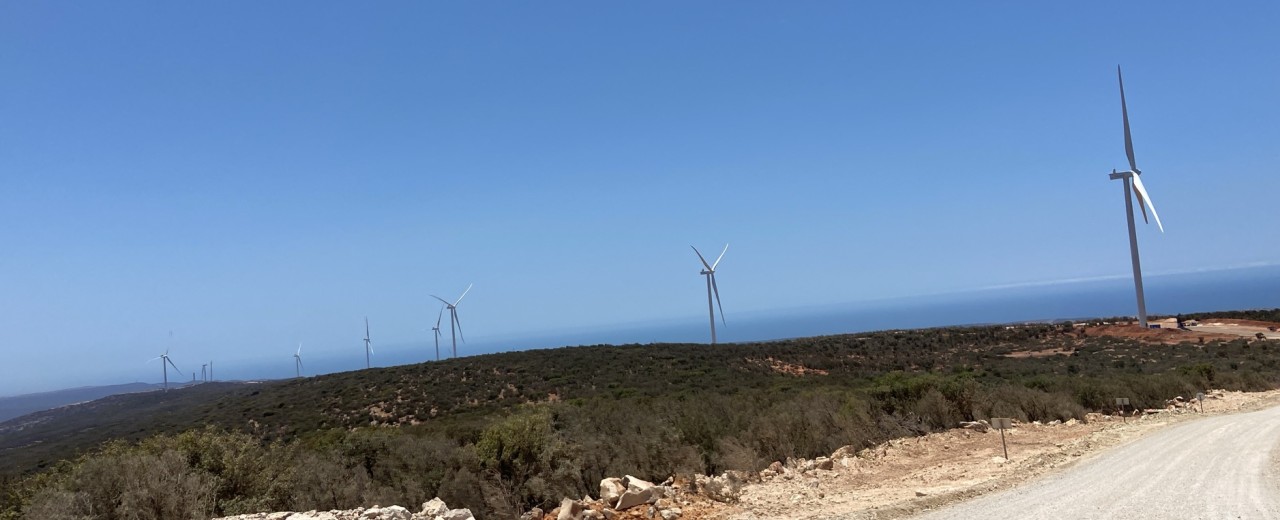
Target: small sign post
[(1002, 424), (1200, 397), (1122, 402)]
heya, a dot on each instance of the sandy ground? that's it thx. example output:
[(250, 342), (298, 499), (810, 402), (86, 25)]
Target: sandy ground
[(908, 476), (1242, 328)]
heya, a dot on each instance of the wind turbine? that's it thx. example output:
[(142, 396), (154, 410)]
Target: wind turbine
[(1134, 177), (204, 372), (165, 363), (710, 272), (436, 329), (455, 326), (368, 344), (297, 360)]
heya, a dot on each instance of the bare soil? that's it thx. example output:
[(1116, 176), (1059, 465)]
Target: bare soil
[(908, 476)]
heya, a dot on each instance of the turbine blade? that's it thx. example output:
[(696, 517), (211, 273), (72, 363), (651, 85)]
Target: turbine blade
[(1128, 138), (366, 327), (704, 260), (1141, 205), (438, 318), (1144, 197), (717, 262), (464, 295), (442, 300), (458, 323), (175, 367), (717, 291)]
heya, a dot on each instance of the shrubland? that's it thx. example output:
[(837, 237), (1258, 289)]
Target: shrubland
[(502, 433)]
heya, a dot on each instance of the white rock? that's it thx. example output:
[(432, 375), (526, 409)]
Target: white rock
[(611, 489), (458, 514), (434, 507), (569, 509)]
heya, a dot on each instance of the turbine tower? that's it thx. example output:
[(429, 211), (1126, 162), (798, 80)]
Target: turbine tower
[(1134, 177), (368, 344), (297, 360), (436, 329), (709, 270), (455, 326), (165, 363), (204, 372)]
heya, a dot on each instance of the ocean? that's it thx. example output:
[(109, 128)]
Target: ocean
[(1168, 294)]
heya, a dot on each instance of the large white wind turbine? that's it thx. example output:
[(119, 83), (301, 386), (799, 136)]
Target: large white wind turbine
[(297, 360), (165, 363), (1134, 177), (709, 270), (368, 344), (436, 329), (455, 326)]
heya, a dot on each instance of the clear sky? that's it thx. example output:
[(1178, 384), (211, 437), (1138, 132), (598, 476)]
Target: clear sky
[(254, 174)]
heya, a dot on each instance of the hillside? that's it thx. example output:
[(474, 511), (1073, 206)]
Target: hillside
[(532, 427), (19, 405)]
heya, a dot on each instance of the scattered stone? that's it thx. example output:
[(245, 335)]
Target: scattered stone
[(921, 493), (978, 426), (671, 514), (533, 514)]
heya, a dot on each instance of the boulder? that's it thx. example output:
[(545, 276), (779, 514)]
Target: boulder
[(570, 509), (434, 507), (635, 484), (611, 489), (457, 514), (630, 499), (823, 463), (670, 514)]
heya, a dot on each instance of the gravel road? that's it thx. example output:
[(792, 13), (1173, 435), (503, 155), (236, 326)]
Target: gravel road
[(1212, 468)]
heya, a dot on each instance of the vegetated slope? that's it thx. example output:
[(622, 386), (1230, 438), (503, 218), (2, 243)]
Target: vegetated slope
[(39, 439), (500, 433), (19, 405), (467, 391)]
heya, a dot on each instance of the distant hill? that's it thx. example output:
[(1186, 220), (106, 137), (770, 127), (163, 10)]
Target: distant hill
[(20, 405)]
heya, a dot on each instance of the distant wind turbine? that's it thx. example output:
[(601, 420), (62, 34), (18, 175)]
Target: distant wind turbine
[(455, 326), (165, 363), (297, 360), (1133, 177), (368, 344), (436, 329), (710, 272), (204, 372)]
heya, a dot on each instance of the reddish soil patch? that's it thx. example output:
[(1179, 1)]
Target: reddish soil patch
[(1160, 336), (782, 367)]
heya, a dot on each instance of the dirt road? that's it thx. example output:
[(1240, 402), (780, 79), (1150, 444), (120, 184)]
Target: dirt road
[(1216, 467)]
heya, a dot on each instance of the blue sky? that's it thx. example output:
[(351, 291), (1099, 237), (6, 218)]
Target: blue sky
[(254, 174)]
